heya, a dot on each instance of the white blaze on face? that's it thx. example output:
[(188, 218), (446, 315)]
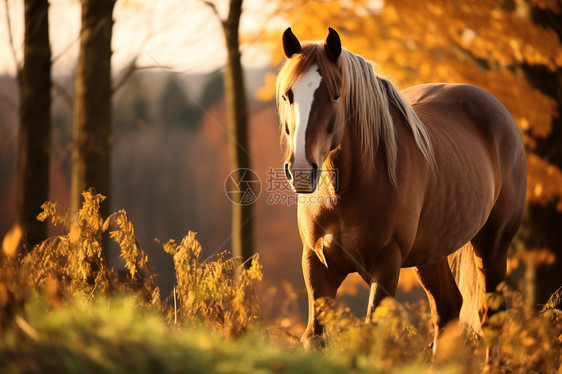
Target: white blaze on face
[(303, 95)]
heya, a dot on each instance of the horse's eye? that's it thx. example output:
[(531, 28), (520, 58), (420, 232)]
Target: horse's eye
[(287, 129), (336, 96), (288, 97)]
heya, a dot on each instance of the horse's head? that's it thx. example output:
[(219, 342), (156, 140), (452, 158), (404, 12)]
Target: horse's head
[(311, 111)]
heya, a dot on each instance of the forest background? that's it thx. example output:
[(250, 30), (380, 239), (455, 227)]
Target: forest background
[(169, 155)]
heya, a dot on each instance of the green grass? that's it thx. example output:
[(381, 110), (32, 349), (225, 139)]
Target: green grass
[(119, 335)]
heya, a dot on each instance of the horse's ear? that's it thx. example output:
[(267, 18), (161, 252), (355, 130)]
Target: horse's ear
[(332, 45), (291, 44)]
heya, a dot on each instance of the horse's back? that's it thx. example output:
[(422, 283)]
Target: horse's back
[(484, 111), (480, 161), (462, 107)]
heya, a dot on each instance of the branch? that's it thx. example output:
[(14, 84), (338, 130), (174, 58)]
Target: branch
[(213, 7), (133, 67), (129, 71), (11, 39), (65, 49), (63, 93), (265, 20)]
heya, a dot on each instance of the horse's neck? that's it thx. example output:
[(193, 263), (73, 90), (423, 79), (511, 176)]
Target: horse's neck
[(356, 170), (348, 162)]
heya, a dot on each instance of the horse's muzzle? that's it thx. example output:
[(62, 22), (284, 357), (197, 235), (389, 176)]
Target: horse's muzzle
[(302, 179)]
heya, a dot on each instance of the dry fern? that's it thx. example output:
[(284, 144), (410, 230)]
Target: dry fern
[(219, 291), (77, 258)]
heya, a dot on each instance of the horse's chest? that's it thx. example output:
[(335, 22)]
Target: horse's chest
[(338, 242)]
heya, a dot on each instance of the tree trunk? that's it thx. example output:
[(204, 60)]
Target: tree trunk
[(92, 104), (35, 122), (545, 222), (242, 215)]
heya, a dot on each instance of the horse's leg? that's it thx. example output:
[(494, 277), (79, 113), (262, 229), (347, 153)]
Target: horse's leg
[(444, 296), (490, 247), (320, 283), (383, 279)]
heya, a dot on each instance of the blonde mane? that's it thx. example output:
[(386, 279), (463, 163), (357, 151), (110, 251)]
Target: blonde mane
[(368, 99)]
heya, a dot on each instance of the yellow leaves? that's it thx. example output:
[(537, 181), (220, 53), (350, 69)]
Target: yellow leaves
[(254, 273), (76, 259), (50, 210), (391, 337), (12, 241), (536, 257), (435, 9), (267, 91), (381, 313), (544, 182), (124, 236), (14, 283), (524, 124), (89, 214), (552, 5), (219, 291), (452, 348), (186, 255), (72, 255), (554, 301), (391, 13), (530, 340), (527, 340)]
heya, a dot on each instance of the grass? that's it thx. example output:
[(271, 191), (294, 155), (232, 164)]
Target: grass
[(63, 310), (119, 335)]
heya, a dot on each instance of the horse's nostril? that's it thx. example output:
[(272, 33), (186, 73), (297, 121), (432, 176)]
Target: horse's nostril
[(313, 173), (288, 172)]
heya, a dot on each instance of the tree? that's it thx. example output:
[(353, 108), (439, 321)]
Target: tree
[(237, 113), (92, 104), (34, 80), (510, 48), (545, 220)]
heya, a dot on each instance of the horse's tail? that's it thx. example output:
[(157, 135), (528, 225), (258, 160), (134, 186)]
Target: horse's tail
[(463, 266)]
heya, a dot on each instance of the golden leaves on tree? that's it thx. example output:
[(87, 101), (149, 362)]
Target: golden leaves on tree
[(482, 42)]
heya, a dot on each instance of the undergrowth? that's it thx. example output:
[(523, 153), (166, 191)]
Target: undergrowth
[(63, 309)]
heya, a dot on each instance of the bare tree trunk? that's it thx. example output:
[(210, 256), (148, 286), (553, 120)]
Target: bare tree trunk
[(242, 215), (35, 122), (545, 222), (92, 104)]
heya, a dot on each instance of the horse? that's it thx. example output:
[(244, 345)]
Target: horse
[(422, 175)]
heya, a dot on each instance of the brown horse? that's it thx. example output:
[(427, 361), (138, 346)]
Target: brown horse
[(421, 174)]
